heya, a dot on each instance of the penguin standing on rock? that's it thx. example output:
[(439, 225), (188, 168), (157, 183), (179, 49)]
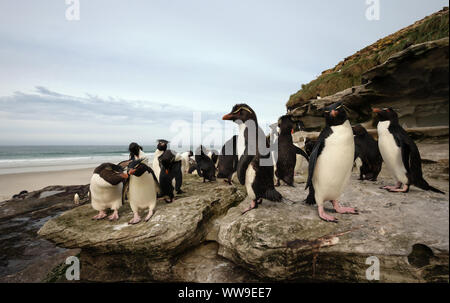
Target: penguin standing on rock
[(366, 148), (331, 162), (228, 160), (170, 175), (255, 166), (205, 165), (106, 189), (400, 153), (160, 149), (287, 151), (143, 189)]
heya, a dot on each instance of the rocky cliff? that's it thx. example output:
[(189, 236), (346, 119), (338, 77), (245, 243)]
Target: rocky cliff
[(202, 236), (413, 80), (348, 72)]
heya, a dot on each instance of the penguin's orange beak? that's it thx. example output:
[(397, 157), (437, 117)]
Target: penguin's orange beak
[(132, 171), (376, 110), (229, 116), (167, 171), (292, 131), (334, 113), (124, 175)]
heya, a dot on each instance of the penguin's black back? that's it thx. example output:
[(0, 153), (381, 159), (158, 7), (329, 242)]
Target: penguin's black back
[(109, 172), (205, 166), (228, 159), (286, 158), (366, 148)]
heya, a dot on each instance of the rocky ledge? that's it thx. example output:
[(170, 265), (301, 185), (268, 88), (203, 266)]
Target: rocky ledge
[(202, 237), (413, 81), (116, 251)]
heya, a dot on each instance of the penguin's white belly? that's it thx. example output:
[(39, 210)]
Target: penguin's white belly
[(104, 195), (184, 163), (249, 179), (298, 162), (142, 191), (391, 153), (155, 164), (334, 165), (241, 141)]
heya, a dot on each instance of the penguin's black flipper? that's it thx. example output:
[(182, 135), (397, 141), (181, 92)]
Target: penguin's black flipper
[(242, 166), (411, 158), (300, 151), (150, 171), (318, 147)]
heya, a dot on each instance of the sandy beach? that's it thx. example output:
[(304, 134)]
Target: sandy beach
[(11, 184)]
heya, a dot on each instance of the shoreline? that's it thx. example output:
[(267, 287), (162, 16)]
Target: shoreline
[(11, 184)]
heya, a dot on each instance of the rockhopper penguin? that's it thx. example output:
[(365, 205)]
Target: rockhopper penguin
[(106, 188), (228, 160), (287, 151), (400, 153), (205, 165), (160, 149), (331, 162), (255, 166), (171, 176), (366, 148)]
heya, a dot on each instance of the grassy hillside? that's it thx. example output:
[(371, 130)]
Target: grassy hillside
[(348, 73)]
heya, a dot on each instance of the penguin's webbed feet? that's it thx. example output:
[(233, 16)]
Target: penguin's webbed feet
[(253, 204), (390, 187), (344, 210), (326, 217), (114, 216), (403, 189), (136, 219), (101, 214)]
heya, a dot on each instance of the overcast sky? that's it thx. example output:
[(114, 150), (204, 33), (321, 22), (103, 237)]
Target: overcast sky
[(126, 69)]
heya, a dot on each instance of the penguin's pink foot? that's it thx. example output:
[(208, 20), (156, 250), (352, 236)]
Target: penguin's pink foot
[(136, 219), (390, 187), (101, 214), (403, 189), (326, 217), (253, 204), (114, 216), (149, 215), (343, 210)]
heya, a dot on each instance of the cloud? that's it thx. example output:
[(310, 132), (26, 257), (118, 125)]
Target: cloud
[(48, 117), (45, 104)]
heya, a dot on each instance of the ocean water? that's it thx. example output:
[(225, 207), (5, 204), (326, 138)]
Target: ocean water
[(18, 159)]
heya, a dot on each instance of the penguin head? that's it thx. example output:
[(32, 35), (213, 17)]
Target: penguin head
[(134, 149), (137, 168), (335, 114), (162, 144), (285, 124), (359, 130), (386, 114), (241, 112)]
